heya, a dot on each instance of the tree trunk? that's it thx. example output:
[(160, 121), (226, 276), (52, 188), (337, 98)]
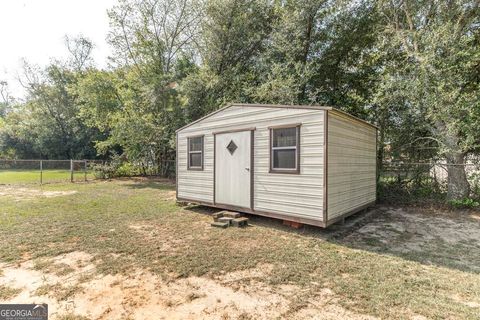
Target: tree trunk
[(382, 124), (458, 186)]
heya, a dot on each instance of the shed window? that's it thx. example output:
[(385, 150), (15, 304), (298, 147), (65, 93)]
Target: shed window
[(195, 153), (285, 149)]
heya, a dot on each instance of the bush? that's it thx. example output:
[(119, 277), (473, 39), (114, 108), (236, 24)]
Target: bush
[(466, 203), (392, 190), (474, 179), (103, 171), (119, 166), (127, 169), (115, 169)]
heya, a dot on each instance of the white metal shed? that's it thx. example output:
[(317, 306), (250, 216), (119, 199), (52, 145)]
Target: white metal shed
[(308, 164)]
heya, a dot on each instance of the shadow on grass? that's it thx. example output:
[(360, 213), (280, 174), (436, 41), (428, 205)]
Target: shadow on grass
[(208, 211), (150, 183), (420, 236), (424, 236)]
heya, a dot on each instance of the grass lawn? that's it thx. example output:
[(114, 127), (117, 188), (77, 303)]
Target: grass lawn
[(33, 176), (377, 269)]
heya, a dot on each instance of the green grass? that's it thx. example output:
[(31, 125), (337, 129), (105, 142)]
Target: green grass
[(135, 219), (33, 176)]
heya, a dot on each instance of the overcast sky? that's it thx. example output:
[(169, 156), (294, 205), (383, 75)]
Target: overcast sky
[(35, 30)]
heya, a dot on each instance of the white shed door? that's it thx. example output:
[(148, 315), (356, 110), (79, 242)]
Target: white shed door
[(232, 168)]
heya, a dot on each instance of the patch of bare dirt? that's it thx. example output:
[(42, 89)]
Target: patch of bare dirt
[(422, 227), (30, 194), (152, 232), (171, 195), (143, 295), (144, 179), (475, 217), (468, 302), (77, 260), (424, 234)]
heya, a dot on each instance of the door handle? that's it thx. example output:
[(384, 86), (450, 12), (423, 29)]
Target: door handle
[(248, 169)]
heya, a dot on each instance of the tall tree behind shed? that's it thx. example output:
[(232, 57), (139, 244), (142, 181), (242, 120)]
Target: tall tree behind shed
[(439, 42)]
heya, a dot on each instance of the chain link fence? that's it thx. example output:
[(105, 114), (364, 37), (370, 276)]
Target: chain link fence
[(399, 181), (51, 171), (46, 171)]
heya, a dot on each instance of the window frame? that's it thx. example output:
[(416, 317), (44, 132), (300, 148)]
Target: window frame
[(189, 166), (295, 170)]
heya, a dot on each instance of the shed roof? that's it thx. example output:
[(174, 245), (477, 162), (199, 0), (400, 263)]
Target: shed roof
[(339, 112)]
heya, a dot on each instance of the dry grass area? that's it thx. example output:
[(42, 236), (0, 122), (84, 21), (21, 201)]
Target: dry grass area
[(22, 193), (124, 250)]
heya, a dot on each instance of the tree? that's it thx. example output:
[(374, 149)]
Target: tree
[(6, 105), (6, 100), (410, 66), (80, 49), (153, 43), (151, 35), (438, 45), (48, 125), (233, 36), (320, 52)]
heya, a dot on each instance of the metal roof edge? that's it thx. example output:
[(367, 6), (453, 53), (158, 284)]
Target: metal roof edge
[(311, 107), (348, 115), (291, 106), (204, 117)]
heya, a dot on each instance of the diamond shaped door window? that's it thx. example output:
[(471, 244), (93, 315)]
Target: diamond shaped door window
[(232, 147)]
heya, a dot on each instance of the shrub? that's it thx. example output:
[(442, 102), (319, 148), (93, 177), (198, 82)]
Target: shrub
[(393, 190), (103, 171), (474, 179), (117, 167), (466, 203), (127, 169)]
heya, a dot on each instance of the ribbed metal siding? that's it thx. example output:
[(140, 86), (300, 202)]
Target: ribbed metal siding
[(351, 165), (193, 184), (296, 195)]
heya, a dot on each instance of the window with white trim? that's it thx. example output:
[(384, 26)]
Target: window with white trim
[(285, 149), (195, 153)]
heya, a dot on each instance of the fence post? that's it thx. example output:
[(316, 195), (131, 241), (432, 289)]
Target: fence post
[(85, 169), (41, 172), (71, 170)]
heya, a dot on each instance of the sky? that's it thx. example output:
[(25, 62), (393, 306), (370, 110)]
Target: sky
[(35, 30)]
